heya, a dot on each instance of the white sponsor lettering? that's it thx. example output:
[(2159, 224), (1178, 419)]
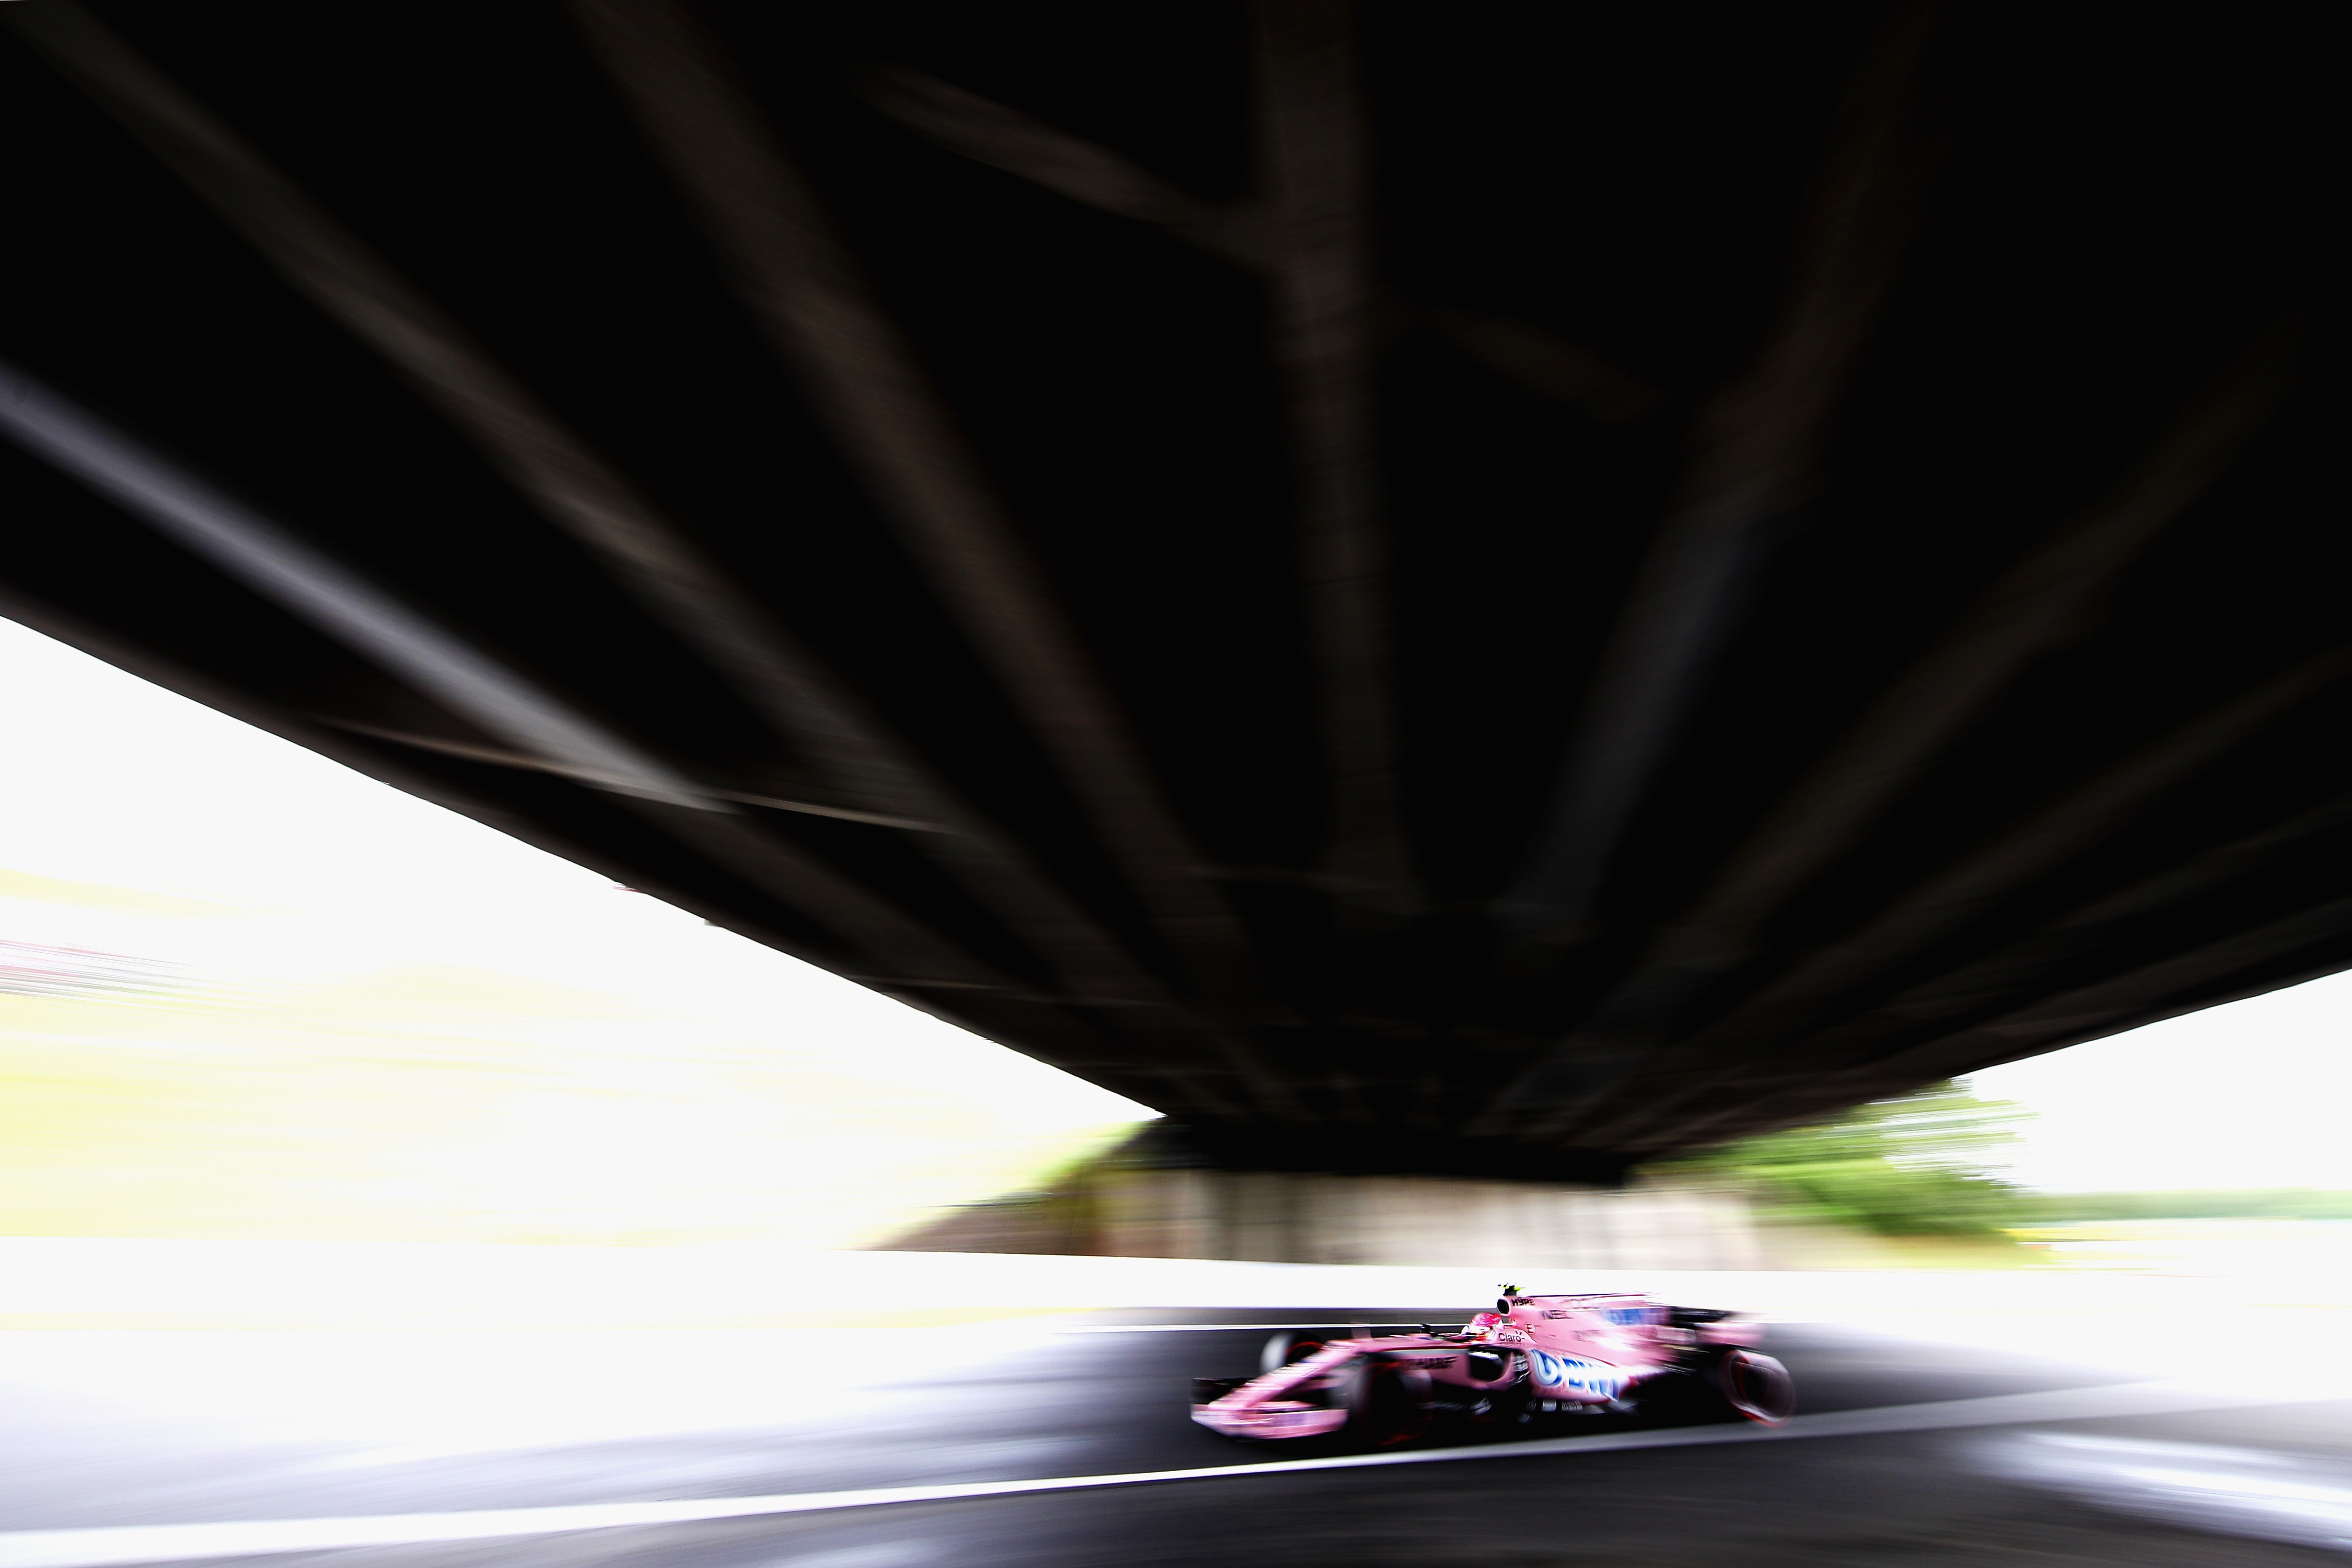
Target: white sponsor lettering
[(1591, 1379)]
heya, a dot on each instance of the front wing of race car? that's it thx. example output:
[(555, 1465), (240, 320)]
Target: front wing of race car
[(1268, 1419)]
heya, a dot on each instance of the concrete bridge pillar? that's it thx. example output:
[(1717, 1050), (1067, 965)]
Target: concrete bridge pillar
[(1127, 1208)]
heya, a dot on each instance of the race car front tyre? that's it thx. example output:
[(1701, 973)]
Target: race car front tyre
[(1285, 1349), (1388, 1403)]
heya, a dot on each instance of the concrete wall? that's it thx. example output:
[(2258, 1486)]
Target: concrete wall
[(1290, 1218)]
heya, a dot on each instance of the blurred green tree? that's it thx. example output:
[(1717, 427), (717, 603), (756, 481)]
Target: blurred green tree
[(1918, 1165)]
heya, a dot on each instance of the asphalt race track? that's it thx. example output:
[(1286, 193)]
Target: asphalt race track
[(554, 1449)]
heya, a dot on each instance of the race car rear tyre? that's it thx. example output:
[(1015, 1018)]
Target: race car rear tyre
[(1756, 1386), (1680, 1398), (1286, 1348), (1388, 1403)]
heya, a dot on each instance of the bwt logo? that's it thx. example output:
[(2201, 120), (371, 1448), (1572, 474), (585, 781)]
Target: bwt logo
[(1583, 1376)]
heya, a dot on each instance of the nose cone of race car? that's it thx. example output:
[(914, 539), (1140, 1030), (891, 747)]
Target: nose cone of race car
[(1234, 1416)]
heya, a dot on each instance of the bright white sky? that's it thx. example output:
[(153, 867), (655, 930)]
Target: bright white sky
[(107, 779), (2248, 1095)]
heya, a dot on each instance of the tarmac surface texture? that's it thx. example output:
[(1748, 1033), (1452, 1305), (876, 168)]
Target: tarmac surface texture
[(618, 1447)]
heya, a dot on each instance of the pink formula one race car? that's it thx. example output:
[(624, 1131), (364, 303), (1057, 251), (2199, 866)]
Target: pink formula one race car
[(1531, 1359)]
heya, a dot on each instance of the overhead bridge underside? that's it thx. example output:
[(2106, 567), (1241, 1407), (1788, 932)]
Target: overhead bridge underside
[(1495, 590)]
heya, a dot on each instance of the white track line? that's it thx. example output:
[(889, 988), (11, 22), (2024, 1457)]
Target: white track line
[(117, 1546)]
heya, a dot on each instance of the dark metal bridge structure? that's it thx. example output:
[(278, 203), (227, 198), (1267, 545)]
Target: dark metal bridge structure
[(1470, 589)]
